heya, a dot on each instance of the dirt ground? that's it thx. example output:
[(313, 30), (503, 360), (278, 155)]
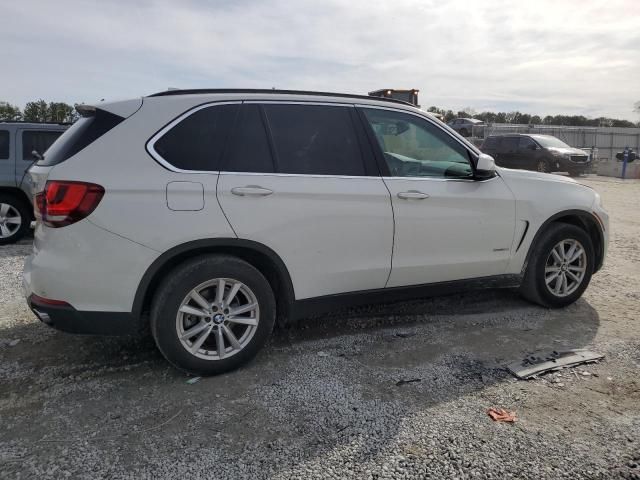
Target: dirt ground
[(323, 400)]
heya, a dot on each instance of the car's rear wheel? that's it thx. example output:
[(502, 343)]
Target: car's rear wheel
[(15, 217), (212, 314), (560, 266)]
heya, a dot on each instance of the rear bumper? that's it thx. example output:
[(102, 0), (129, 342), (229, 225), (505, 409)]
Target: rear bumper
[(68, 319)]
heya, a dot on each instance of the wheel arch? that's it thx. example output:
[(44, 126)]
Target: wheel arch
[(260, 256), (582, 219)]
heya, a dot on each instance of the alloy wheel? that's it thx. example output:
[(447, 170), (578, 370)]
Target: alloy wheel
[(565, 268), (217, 319), (542, 166), (10, 220)]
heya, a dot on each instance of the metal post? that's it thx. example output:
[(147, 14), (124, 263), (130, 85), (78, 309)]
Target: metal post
[(625, 158)]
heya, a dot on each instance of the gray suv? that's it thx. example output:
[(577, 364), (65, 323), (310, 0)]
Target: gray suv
[(21, 144)]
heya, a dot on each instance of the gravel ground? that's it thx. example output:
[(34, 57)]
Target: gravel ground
[(323, 400)]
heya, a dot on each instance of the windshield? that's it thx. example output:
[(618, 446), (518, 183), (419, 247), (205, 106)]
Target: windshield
[(549, 141)]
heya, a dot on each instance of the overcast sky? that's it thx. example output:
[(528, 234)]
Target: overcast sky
[(539, 57)]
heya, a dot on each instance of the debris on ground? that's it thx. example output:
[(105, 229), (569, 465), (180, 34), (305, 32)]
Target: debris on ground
[(193, 380), (412, 380), (13, 343), (533, 365), (501, 415), (323, 354)]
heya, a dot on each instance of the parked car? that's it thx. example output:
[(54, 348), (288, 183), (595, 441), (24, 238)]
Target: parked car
[(544, 153), (213, 212), (465, 126), (20, 145)]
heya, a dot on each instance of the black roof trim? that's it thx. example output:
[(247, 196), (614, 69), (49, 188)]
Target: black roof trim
[(23, 122), (196, 91)]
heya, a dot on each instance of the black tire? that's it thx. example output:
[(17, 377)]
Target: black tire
[(575, 173), (542, 166), (534, 287), (24, 210), (175, 288)]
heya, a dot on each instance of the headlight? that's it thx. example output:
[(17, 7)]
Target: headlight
[(555, 153)]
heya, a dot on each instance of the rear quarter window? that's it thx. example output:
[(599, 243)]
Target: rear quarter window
[(198, 141)]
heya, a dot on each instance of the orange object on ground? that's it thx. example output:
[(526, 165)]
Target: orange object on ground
[(501, 415)]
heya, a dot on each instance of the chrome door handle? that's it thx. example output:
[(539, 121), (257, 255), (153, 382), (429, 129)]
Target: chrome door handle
[(251, 190), (412, 195)]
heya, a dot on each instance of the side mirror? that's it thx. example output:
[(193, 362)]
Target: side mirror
[(532, 146), (35, 154), (485, 166)]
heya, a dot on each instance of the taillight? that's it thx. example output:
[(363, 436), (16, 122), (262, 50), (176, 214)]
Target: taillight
[(38, 300), (63, 203)]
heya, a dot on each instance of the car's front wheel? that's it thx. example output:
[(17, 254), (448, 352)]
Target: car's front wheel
[(542, 166), (560, 266), (15, 217), (212, 314)]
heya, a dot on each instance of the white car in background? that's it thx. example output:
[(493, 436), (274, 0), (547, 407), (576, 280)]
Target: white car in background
[(217, 211)]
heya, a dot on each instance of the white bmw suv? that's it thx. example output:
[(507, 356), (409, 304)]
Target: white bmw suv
[(212, 213)]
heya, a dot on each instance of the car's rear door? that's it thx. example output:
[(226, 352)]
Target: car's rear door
[(7, 176), (448, 226), (300, 178), (509, 152)]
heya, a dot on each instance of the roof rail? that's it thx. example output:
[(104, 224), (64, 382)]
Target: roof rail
[(270, 91), (35, 122)]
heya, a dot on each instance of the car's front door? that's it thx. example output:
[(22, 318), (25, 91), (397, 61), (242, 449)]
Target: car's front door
[(311, 192), (448, 226)]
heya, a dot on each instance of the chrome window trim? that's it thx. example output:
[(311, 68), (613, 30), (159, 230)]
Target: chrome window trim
[(158, 158), (306, 175), (438, 179)]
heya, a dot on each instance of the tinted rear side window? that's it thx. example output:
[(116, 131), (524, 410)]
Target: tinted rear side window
[(198, 141), (38, 140), (509, 144), (248, 149), (314, 139), (4, 144), (81, 134), (491, 143)]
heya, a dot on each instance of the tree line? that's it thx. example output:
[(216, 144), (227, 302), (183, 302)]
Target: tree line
[(60, 112), (39, 111), (525, 118)]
